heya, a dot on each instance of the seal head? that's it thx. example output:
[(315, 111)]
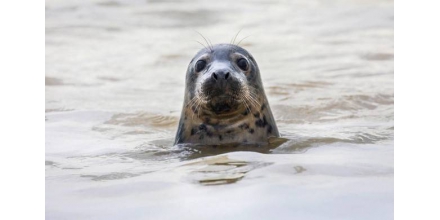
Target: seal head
[(224, 100)]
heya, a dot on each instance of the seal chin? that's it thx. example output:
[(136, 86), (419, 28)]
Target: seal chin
[(223, 104)]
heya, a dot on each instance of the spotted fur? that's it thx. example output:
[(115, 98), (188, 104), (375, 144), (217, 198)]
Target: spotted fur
[(215, 120)]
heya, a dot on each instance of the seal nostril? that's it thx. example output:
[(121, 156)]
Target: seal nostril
[(214, 76), (227, 75)]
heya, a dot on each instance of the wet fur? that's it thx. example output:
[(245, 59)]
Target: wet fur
[(249, 118)]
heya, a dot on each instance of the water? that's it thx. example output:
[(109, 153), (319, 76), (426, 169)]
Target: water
[(114, 90)]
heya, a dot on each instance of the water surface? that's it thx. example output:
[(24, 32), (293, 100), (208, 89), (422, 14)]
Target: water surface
[(115, 75)]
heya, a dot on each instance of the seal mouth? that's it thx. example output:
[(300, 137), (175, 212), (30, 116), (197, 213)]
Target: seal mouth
[(223, 104)]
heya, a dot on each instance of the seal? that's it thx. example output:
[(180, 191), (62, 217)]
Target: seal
[(224, 100)]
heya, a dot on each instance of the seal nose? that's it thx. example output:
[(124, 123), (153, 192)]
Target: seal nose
[(220, 75)]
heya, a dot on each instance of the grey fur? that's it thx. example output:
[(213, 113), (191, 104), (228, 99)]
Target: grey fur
[(247, 118)]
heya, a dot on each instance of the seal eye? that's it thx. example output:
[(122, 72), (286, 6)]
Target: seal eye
[(200, 65), (243, 64)]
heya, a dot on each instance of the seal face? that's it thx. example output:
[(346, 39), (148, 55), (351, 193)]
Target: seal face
[(224, 100)]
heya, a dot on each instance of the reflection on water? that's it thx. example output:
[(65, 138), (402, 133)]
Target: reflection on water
[(110, 176), (143, 119), (114, 85), (222, 170)]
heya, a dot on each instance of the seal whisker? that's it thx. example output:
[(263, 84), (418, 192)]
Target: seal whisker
[(198, 108), (247, 106), (210, 46), (236, 36), (246, 95), (251, 102), (257, 104), (242, 40), (230, 42), (253, 93), (252, 96), (191, 102), (202, 44), (195, 108)]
